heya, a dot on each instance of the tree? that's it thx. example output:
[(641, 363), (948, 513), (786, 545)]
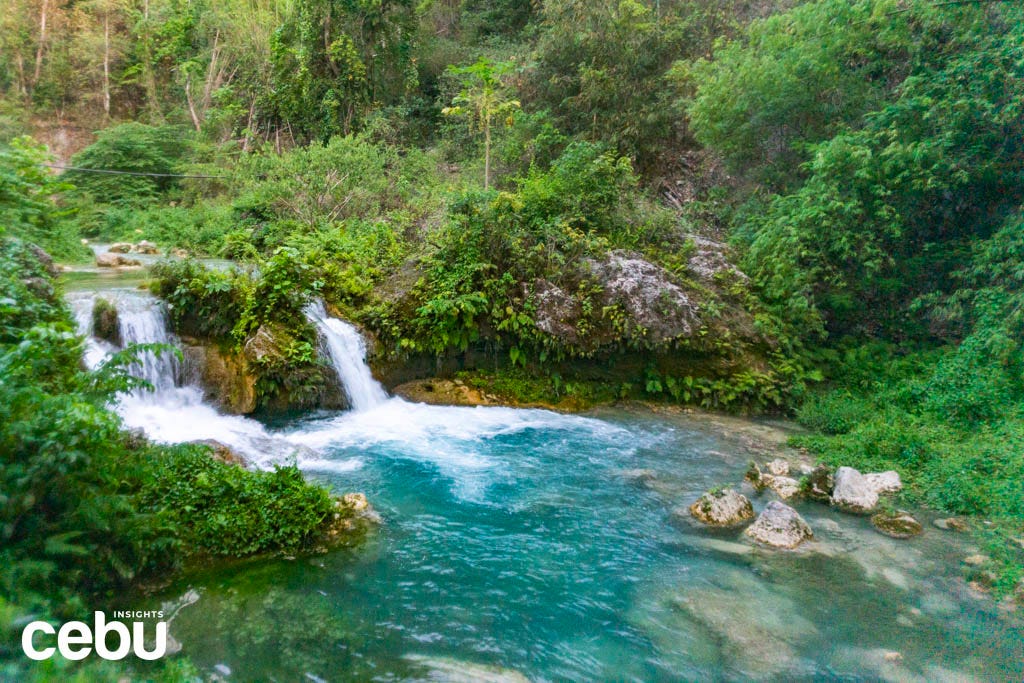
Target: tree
[(483, 98)]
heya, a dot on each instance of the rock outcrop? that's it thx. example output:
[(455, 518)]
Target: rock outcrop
[(724, 507), (225, 376), (647, 295), (779, 526)]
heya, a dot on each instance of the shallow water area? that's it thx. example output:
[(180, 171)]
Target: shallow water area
[(543, 545)]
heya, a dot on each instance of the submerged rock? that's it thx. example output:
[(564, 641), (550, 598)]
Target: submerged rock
[(756, 629), (779, 526), (951, 524), (722, 508), (449, 670), (898, 524)]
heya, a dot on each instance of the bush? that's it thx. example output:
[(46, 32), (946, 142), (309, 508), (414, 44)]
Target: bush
[(131, 147)]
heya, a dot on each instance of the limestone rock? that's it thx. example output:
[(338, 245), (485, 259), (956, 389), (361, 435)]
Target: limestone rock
[(450, 670), (113, 260), (884, 482), (785, 487), (778, 468), (899, 524), (976, 560), (120, 247), (722, 508), (442, 392), (223, 453), (853, 492), (145, 247), (779, 526), (225, 377), (757, 630), (647, 295)]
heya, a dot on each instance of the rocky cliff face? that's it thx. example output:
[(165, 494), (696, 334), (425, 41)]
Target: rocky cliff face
[(260, 377)]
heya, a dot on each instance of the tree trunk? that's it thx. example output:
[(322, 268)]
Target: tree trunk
[(191, 102), (106, 65), (43, 9), (487, 153)]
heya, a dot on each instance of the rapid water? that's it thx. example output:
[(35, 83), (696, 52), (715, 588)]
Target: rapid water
[(528, 545)]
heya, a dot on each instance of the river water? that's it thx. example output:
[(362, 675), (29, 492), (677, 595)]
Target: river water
[(529, 545)]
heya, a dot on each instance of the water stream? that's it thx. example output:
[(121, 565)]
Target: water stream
[(529, 545)]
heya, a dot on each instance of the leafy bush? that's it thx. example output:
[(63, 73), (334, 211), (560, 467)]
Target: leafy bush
[(222, 509)]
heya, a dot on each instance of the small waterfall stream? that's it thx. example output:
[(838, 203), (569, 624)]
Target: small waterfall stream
[(347, 350)]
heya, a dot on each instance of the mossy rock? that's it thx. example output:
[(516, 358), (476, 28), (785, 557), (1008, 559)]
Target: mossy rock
[(105, 322)]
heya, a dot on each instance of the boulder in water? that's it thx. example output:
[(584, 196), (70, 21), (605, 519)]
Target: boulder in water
[(778, 468), (145, 247), (120, 247), (111, 260), (723, 507), (951, 524), (105, 323), (899, 524), (858, 493), (225, 376), (853, 492), (779, 526)]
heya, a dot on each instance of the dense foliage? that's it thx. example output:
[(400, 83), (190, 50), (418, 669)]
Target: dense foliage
[(86, 507), (816, 190)]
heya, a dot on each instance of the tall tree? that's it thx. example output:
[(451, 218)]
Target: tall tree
[(483, 99)]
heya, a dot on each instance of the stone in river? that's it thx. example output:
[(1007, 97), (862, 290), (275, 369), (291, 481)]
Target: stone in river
[(779, 526), (722, 508)]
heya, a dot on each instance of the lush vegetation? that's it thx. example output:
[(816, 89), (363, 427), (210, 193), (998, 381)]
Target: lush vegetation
[(88, 508), (824, 195)]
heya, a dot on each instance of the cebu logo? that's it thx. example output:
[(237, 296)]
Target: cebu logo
[(75, 640)]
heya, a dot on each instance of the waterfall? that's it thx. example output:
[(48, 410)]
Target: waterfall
[(173, 412), (347, 351)]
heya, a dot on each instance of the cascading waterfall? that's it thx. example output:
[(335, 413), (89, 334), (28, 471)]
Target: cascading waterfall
[(347, 350), (174, 412)]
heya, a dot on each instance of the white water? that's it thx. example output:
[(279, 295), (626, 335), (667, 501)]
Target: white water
[(347, 351), (173, 412), (450, 438)]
